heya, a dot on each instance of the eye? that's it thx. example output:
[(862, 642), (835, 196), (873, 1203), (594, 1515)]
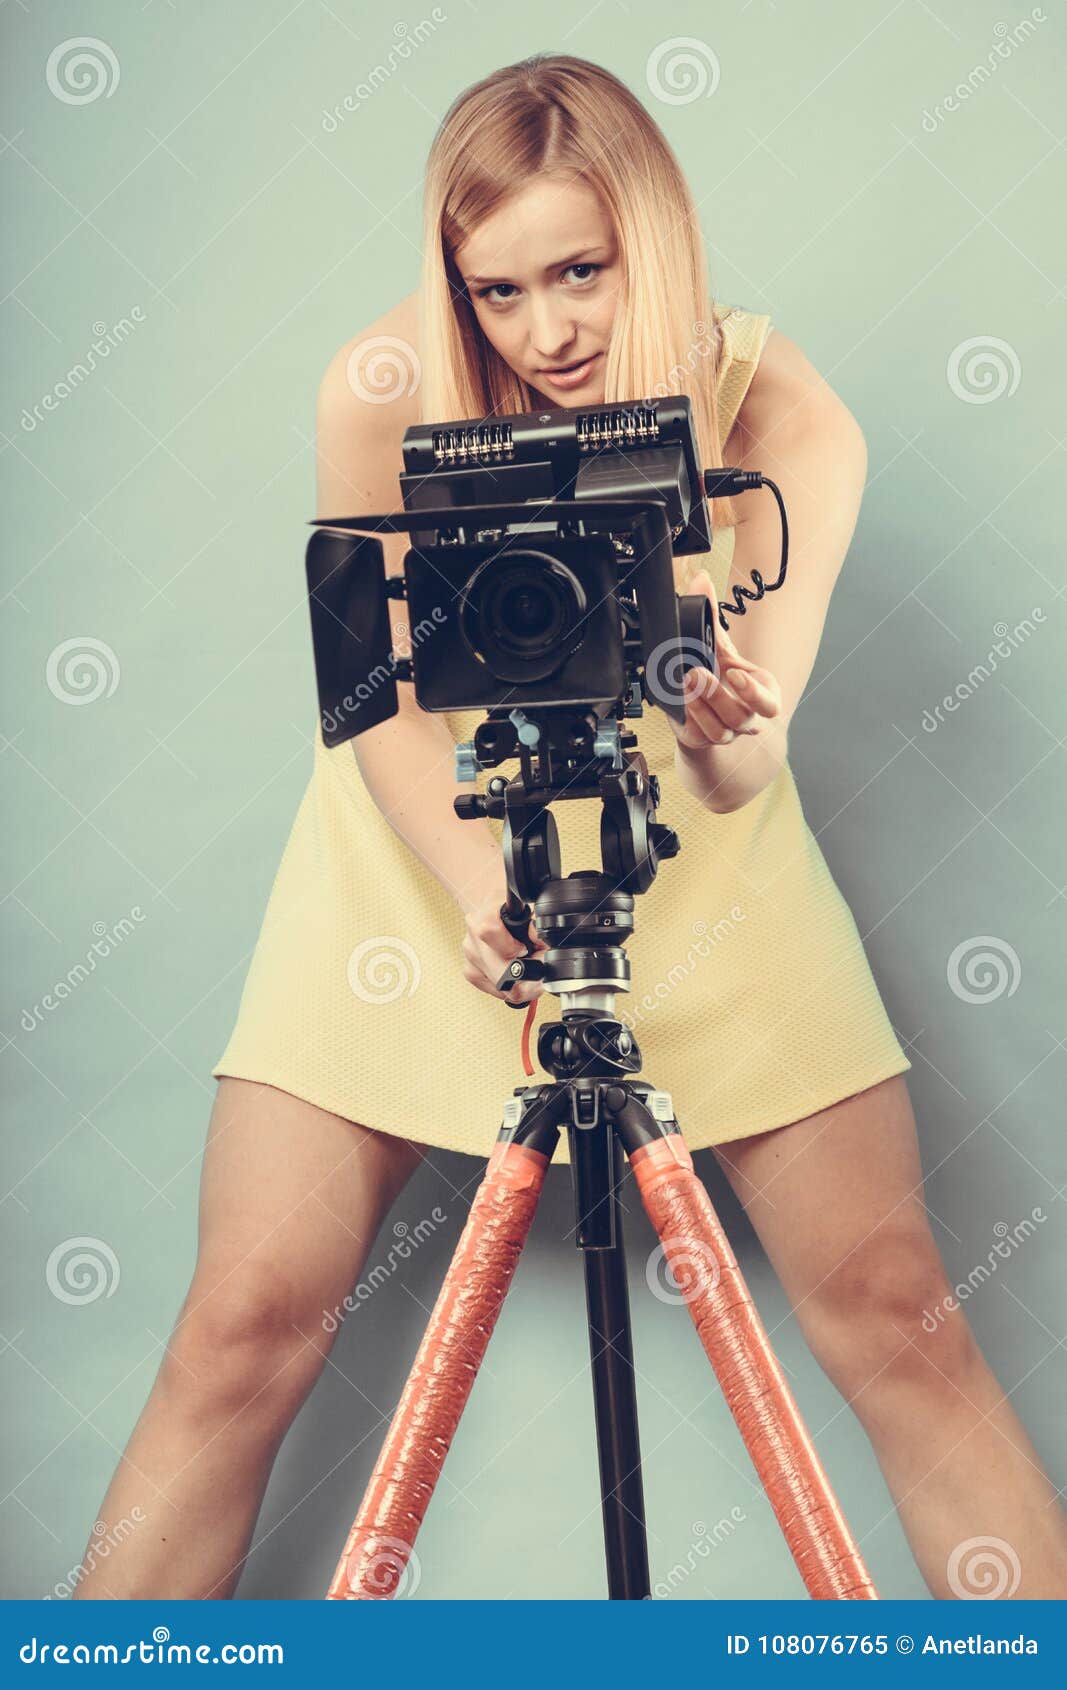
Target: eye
[(594, 268), (483, 293)]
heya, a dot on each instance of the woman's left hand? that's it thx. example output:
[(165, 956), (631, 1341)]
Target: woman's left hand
[(717, 711)]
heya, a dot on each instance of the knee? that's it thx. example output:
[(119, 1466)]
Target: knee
[(245, 1342), (885, 1318)]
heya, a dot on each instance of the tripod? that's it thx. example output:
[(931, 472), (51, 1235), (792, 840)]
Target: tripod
[(586, 919)]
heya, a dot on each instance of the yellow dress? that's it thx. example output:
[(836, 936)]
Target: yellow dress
[(751, 995)]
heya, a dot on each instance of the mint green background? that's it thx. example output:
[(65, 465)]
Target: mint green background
[(160, 508)]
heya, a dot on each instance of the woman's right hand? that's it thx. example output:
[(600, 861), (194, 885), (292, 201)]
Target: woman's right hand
[(488, 947)]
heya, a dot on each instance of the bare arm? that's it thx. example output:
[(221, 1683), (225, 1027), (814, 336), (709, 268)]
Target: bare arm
[(407, 762), (795, 428)]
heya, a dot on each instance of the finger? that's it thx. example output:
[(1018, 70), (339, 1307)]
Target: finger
[(733, 711), (477, 979), (501, 944), (481, 968), (702, 727), (702, 735), (752, 692), (488, 928)]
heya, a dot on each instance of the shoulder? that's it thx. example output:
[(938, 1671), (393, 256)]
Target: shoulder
[(788, 396), (368, 396), (377, 367)]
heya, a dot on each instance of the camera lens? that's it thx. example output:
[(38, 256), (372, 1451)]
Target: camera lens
[(521, 614), (529, 614)]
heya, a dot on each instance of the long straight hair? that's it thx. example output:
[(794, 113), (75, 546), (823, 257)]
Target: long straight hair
[(568, 116)]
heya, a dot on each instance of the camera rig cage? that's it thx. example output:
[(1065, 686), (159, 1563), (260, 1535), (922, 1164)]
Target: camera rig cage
[(539, 583)]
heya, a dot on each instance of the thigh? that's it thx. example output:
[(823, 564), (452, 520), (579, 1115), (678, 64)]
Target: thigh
[(831, 1193), (291, 1196)]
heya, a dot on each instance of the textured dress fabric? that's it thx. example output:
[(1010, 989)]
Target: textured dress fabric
[(751, 996)]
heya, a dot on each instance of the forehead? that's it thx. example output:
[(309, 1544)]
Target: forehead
[(545, 220)]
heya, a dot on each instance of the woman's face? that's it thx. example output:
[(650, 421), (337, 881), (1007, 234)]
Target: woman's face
[(543, 274)]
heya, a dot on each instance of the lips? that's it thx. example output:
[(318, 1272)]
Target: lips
[(565, 369), (573, 376)]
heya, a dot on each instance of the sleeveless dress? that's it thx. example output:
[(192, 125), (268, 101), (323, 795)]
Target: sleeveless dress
[(751, 996)]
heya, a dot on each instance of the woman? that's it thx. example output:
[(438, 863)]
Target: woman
[(560, 232)]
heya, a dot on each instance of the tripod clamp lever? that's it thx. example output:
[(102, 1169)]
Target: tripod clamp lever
[(522, 967)]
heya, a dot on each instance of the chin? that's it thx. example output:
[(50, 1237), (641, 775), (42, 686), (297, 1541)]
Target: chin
[(593, 394)]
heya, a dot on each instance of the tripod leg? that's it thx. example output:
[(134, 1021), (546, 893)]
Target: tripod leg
[(596, 1172), (755, 1388), (445, 1368), (615, 1407)]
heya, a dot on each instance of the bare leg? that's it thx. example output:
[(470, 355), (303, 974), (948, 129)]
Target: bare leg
[(837, 1202), (291, 1198)]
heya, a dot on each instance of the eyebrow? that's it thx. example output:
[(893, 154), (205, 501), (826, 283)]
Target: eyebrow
[(561, 263)]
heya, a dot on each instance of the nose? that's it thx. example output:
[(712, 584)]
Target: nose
[(551, 332)]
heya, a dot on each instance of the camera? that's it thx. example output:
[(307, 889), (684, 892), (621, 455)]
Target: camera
[(539, 576)]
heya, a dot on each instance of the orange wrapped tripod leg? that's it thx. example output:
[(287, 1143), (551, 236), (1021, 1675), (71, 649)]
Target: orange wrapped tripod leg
[(695, 1247), (757, 1394), (428, 1412)]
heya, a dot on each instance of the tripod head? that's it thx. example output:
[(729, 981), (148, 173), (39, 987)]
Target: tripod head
[(587, 917)]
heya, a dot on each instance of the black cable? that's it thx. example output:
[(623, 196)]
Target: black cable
[(721, 484)]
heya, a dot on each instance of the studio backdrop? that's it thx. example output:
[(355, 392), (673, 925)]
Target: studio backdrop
[(202, 204)]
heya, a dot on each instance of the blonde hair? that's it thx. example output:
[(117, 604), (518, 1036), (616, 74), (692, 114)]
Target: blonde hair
[(554, 113)]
